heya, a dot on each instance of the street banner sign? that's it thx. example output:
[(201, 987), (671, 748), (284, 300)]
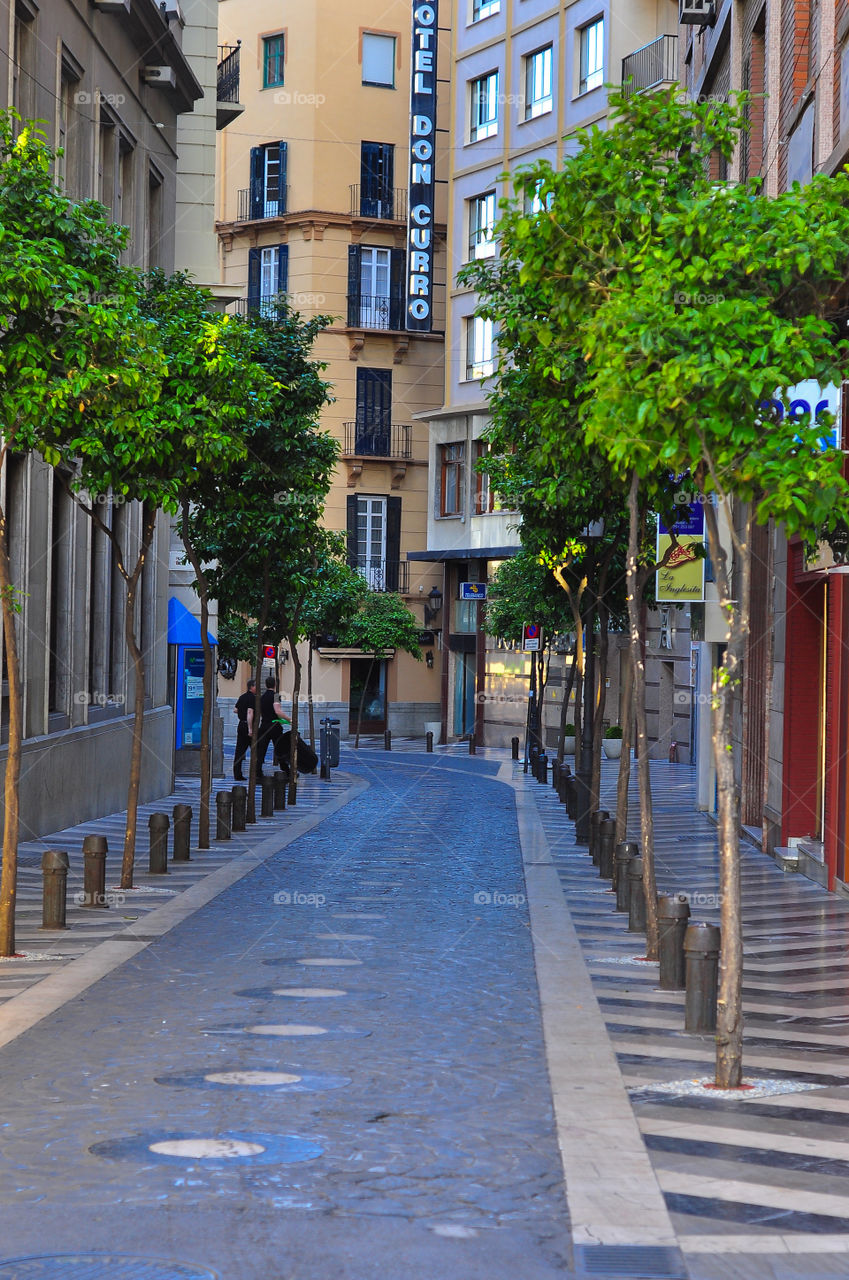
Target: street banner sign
[(472, 590), (530, 637), (682, 578)]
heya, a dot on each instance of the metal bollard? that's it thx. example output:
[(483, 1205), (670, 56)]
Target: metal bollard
[(54, 869), (701, 950), (563, 775), (555, 775), (625, 851), (596, 818), (267, 810), (472, 744), (387, 740), (571, 796), (636, 897), (542, 768), (673, 913), (158, 824), (95, 849), (514, 748), (606, 840), (429, 740), (240, 808), (182, 832), (223, 815), (280, 781)]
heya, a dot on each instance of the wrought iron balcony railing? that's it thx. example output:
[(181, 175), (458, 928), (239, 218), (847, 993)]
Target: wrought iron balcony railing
[(384, 575), (378, 439), (249, 210), (228, 72), (653, 65), (384, 203)]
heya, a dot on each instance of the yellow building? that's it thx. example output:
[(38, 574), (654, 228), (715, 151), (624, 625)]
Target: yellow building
[(313, 201)]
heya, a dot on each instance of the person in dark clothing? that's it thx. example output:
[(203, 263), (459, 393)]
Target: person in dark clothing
[(271, 719), (244, 710)]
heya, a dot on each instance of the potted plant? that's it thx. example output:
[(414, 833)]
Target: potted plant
[(569, 740), (613, 742)]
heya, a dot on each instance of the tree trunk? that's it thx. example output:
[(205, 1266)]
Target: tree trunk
[(601, 700), (363, 700), (293, 745), (729, 1007), (542, 683), (202, 588), (636, 583), (309, 695), (11, 782), (623, 781), (132, 580), (260, 648)]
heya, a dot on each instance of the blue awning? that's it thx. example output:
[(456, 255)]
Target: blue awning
[(183, 627)]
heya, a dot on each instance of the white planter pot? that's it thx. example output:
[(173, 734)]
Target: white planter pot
[(569, 745), (612, 748)]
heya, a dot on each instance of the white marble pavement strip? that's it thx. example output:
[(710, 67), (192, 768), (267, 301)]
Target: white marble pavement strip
[(731, 1191), (748, 1139), (611, 1187), (22, 1012)]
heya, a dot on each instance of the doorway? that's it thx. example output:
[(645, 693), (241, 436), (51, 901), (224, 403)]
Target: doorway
[(374, 702)]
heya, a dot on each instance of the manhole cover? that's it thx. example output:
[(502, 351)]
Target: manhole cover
[(100, 1266), (646, 1262)]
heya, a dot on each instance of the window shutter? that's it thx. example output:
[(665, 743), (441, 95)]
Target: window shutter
[(393, 543), (283, 268), (253, 279), (354, 276), (387, 178), (397, 282), (282, 194), (352, 531), (256, 196)]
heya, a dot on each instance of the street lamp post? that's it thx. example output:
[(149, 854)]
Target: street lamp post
[(584, 771)]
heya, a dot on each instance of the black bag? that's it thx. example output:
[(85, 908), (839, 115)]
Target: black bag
[(306, 758)]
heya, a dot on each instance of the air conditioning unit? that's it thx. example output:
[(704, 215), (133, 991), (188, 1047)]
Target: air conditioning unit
[(163, 77), (697, 13)]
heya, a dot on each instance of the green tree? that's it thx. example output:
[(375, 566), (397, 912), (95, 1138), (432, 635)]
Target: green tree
[(337, 594), (71, 339), (692, 306), (382, 623)]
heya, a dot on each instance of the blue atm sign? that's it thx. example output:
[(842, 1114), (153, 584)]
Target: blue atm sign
[(472, 590)]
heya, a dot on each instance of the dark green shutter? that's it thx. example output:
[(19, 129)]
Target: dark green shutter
[(393, 543), (353, 550), (257, 168), (354, 278), (253, 279)]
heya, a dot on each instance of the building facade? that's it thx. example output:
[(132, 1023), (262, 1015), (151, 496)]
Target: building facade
[(525, 77), (313, 203), (110, 83)]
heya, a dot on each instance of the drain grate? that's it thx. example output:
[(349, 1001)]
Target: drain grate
[(628, 1261), (100, 1266)]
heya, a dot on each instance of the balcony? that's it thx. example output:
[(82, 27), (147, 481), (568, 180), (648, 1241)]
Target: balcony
[(384, 205), (251, 211), (227, 105), (385, 575), (378, 440), (648, 68), (368, 312)]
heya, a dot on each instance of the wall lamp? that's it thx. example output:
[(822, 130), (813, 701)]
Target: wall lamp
[(432, 606)]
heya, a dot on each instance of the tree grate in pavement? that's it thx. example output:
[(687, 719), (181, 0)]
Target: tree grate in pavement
[(100, 1266), (628, 1261)]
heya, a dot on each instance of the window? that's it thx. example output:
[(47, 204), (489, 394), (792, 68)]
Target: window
[(106, 162), (273, 61), (268, 277), (592, 55), (485, 500), (484, 9), (538, 83), (68, 163), (374, 539), (268, 180), (375, 287), (377, 176), (451, 479), (536, 203), (482, 226), (373, 426), (154, 249), (23, 60), (479, 348), (379, 60), (484, 107)]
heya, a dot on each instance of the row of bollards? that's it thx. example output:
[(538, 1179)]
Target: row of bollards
[(231, 815), (688, 953)]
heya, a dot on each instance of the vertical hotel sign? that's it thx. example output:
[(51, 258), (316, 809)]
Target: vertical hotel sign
[(419, 317)]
